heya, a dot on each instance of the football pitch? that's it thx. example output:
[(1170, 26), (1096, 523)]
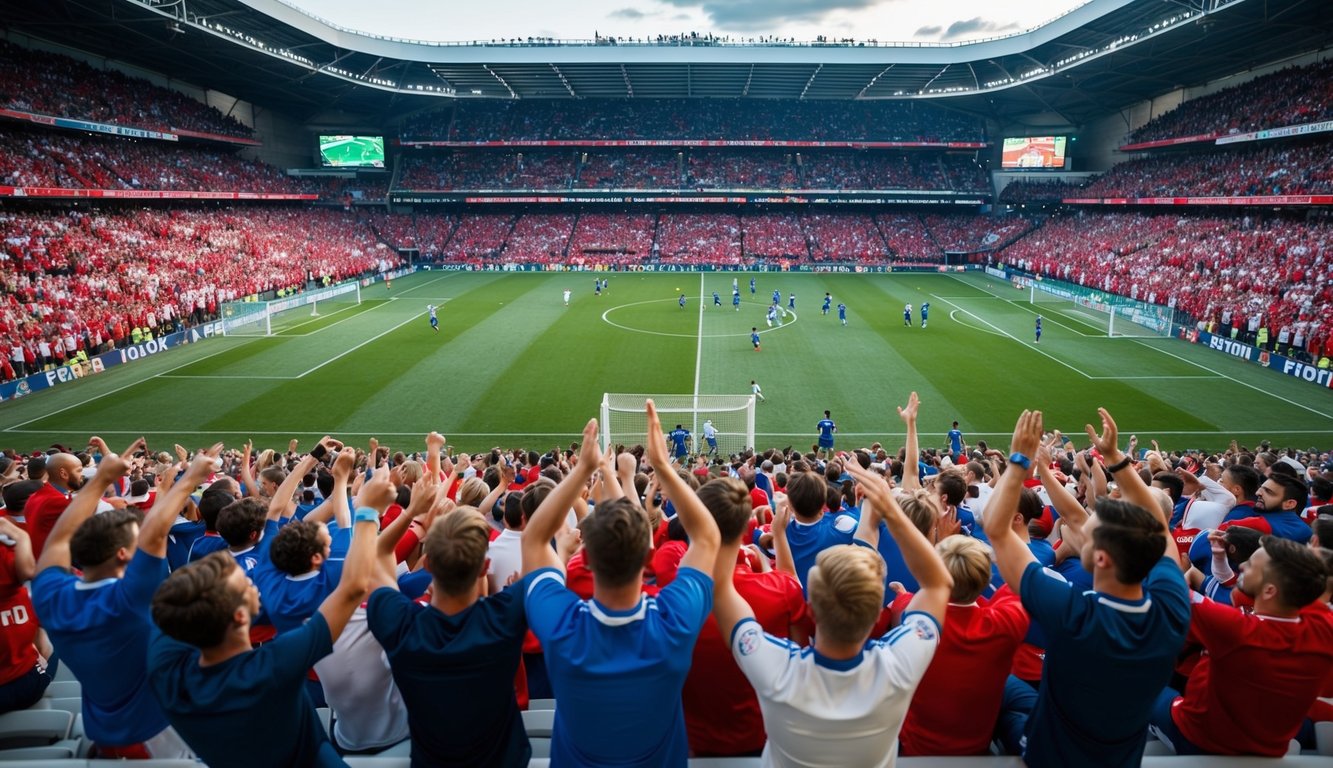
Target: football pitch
[(513, 366)]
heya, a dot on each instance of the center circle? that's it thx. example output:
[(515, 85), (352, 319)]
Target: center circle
[(606, 318)]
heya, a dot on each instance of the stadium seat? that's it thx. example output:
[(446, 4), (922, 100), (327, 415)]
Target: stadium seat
[(61, 689), (540, 747), (401, 749), (34, 727), (539, 722), (72, 705), (52, 755), (63, 674), (1323, 737), (539, 762), (538, 704), (325, 718)]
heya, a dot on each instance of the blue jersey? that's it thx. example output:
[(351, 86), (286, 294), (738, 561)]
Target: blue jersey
[(682, 299), (183, 535), (826, 429), (842, 311), (828, 301), (752, 285), (735, 299), (754, 339), (101, 631), (290, 600), (925, 310), (619, 673), (1087, 633), (679, 438), (791, 301), (1039, 325), (807, 540), (955, 441), (717, 299), (777, 297)]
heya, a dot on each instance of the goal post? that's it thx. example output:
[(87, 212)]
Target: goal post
[(624, 420), (256, 318), (1110, 313)]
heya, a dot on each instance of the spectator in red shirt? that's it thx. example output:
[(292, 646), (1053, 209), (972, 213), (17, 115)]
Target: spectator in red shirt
[(24, 675), (63, 477), (956, 705)]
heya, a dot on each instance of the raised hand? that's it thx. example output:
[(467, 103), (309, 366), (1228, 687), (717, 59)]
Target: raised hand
[(590, 452), (343, 466), (1027, 433), (908, 413), (378, 493), (1106, 441)]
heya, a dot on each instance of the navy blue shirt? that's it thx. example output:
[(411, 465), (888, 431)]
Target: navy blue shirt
[(470, 656), (679, 437)]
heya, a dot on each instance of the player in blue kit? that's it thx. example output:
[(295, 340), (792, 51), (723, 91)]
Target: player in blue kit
[(842, 313), (777, 297), (717, 300), (791, 302), (1038, 327), (597, 286), (754, 338), (955, 442), (680, 442), (682, 301), (907, 315), (925, 313), (752, 286), (772, 314), (435, 321), (826, 428), (828, 302), (736, 300)]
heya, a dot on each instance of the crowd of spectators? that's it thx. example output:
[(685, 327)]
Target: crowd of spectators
[(1225, 272), (974, 234), (52, 84), (83, 281), (693, 119), (838, 607), (624, 238), (71, 160), (843, 238), (1283, 169), (1291, 96), (540, 238), (1041, 191), (699, 238)]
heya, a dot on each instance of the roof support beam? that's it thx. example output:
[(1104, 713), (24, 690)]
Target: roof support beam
[(811, 81), (512, 94), (564, 81)]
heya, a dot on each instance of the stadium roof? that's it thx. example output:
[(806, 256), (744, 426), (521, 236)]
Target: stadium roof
[(1100, 57)]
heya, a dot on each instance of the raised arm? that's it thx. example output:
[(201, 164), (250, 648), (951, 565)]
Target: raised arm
[(867, 528), (247, 471), (783, 560), (426, 497), (1071, 512), (728, 605), (923, 562), (698, 521), (912, 454), (551, 513), (157, 523), (608, 480), (81, 507), (1132, 486), (25, 565), (282, 498), (1011, 553), (434, 444), (358, 568)]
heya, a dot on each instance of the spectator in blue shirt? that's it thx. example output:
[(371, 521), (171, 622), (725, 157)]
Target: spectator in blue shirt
[(1119, 639), (618, 662), (215, 687), (99, 624)]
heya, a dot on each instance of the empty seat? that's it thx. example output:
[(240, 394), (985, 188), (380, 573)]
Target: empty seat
[(540, 747), (539, 722), (34, 727), (63, 689), (73, 705), (44, 754), (541, 704)]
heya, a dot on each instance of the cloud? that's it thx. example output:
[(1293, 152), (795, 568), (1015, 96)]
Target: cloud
[(975, 25), (633, 14), (932, 31), (764, 15)]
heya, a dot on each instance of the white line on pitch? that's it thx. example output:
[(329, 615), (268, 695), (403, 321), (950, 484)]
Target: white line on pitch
[(346, 352), (1033, 311), (699, 346), (1014, 338)]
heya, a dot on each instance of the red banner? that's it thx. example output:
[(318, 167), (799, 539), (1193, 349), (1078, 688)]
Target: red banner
[(218, 137), (144, 194), (705, 143), (1246, 200), (1203, 137)]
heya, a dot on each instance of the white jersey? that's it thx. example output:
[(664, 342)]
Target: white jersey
[(431, 308), (567, 295), (710, 431), (755, 389), (360, 689), (820, 712)]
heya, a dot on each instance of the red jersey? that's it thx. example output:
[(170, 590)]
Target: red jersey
[(1253, 687), (18, 622), (970, 665), (666, 561), (722, 715), (42, 510)]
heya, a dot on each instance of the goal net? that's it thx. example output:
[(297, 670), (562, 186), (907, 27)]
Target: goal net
[(625, 421), (262, 318), (1108, 313)]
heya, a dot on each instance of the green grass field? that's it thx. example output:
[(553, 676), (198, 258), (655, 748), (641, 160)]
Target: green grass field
[(512, 366), (354, 151)]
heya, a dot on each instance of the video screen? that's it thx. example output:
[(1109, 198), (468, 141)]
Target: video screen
[(351, 151), (1034, 152)]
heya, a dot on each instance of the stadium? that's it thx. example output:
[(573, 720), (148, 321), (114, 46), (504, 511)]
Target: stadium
[(391, 273)]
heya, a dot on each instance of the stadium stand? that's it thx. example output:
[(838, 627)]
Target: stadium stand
[(1264, 170)]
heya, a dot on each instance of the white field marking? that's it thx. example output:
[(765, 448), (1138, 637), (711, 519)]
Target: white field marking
[(317, 318), (1219, 374), (699, 348), (1002, 332), (953, 315), (347, 352), (428, 282), (134, 383), (1034, 312), (442, 302), (606, 319)]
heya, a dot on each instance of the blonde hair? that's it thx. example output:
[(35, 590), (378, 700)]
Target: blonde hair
[(411, 472), (846, 587), (968, 561), (921, 508), (455, 550), (473, 491)]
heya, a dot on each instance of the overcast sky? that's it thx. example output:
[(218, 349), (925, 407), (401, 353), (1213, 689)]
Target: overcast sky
[(896, 20)]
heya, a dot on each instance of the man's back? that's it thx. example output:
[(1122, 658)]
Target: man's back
[(1106, 662), (41, 512), (470, 656), (618, 674)]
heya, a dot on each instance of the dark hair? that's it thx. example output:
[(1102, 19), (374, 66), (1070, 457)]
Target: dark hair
[(533, 496), (1292, 490), (807, 493), (513, 509), (324, 482), (1323, 526), (1247, 477), (1322, 488), (1131, 535), (194, 605), (1298, 572), (241, 519), (952, 485), (729, 501), (98, 538), (455, 550), (211, 503), (616, 538), (16, 495), (676, 530), (1029, 505), (37, 468), (1171, 483), (295, 544), (1243, 542)]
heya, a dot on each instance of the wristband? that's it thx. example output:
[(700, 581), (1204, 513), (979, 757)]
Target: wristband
[(1119, 465), (319, 452), (1020, 460), (366, 515)]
